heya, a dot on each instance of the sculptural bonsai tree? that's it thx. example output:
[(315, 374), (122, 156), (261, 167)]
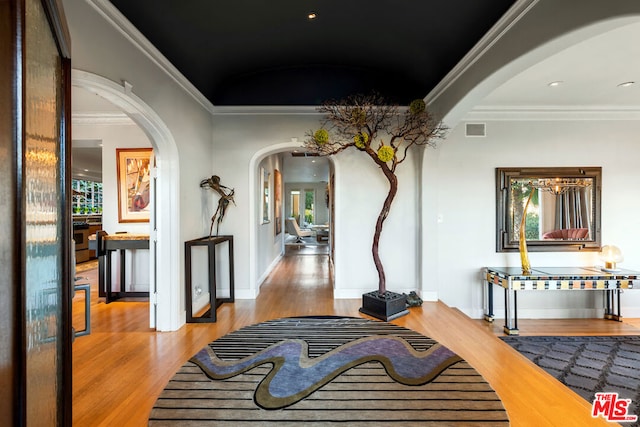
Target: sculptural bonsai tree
[(381, 131)]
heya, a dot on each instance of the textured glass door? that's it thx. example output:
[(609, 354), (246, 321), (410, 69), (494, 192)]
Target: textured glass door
[(43, 217), (36, 248)]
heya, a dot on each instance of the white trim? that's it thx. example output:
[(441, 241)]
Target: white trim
[(170, 316), (254, 285), (274, 110), (429, 296), (500, 28), (131, 33), (532, 313), (553, 113), (103, 118), (254, 280), (269, 269), (357, 293)]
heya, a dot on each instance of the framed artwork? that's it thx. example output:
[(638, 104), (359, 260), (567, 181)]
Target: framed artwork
[(133, 180), (277, 203), (266, 214)]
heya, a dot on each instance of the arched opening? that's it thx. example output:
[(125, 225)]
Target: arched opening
[(255, 208), (164, 226)]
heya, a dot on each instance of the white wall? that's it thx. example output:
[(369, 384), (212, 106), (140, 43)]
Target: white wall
[(269, 245), (99, 48), (319, 189), (360, 192), (112, 137), (466, 206)]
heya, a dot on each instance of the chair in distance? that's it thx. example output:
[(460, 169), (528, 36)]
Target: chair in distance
[(292, 227)]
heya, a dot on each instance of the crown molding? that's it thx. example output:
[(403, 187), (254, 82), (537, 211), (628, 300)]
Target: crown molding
[(500, 28), (98, 118), (114, 17), (553, 113), (285, 110)]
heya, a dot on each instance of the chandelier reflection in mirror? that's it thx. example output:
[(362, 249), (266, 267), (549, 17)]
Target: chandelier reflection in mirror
[(555, 186), (560, 185)]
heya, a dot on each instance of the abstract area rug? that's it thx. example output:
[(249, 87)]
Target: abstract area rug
[(588, 365), (319, 371)]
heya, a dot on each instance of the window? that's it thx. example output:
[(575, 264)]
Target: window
[(87, 197), (309, 202), (295, 205)]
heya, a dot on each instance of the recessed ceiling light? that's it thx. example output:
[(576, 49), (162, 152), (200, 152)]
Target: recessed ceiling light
[(556, 83), (626, 84), (311, 16)]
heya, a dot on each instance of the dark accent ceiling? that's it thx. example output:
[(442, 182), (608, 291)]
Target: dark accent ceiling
[(260, 52)]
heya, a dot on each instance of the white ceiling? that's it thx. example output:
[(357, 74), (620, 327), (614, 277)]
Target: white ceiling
[(305, 169), (590, 72), (86, 155)]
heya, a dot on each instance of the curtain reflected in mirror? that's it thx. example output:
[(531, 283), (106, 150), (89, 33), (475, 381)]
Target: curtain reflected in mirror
[(563, 214)]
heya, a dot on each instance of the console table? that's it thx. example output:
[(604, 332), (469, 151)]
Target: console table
[(214, 302), (554, 278), (104, 244)]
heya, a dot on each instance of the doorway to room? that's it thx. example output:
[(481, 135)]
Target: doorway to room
[(303, 217), (163, 269)]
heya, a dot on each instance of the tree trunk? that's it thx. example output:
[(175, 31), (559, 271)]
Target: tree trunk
[(393, 189)]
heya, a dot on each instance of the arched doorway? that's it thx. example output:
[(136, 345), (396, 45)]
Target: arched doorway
[(164, 223), (255, 207)]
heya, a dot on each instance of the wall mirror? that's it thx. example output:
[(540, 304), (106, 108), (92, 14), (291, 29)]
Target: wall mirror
[(563, 213)]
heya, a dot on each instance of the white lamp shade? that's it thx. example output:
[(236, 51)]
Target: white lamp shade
[(611, 255)]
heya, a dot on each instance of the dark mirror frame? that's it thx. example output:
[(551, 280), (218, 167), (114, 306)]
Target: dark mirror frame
[(504, 222)]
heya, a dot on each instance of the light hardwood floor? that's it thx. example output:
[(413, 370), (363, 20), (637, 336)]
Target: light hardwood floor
[(121, 368)]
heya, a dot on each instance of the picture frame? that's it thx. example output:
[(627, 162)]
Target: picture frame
[(277, 203), (266, 213), (134, 183)]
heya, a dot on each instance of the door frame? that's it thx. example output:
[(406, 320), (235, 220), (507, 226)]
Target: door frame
[(164, 245), (255, 208)]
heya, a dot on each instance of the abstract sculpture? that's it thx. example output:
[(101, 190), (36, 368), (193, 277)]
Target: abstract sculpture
[(226, 197)]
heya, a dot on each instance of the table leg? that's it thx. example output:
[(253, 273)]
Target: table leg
[(619, 312), (510, 312), (488, 295), (123, 275), (612, 311), (107, 275), (101, 271), (212, 283)]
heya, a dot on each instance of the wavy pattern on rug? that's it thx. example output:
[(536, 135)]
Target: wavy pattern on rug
[(588, 364), (318, 371)]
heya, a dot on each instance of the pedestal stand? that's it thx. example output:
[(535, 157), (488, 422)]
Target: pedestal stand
[(387, 306)]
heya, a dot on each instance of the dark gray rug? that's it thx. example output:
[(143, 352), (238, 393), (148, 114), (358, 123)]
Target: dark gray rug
[(322, 371), (588, 365)]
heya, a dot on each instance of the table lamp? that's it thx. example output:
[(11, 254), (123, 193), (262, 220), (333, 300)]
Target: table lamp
[(611, 255)]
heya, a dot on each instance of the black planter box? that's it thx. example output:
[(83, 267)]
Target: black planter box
[(387, 306)]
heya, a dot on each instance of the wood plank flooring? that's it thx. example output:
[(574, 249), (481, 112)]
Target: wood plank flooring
[(121, 368)]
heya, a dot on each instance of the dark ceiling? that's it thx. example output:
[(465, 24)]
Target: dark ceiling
[(259, 52)]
